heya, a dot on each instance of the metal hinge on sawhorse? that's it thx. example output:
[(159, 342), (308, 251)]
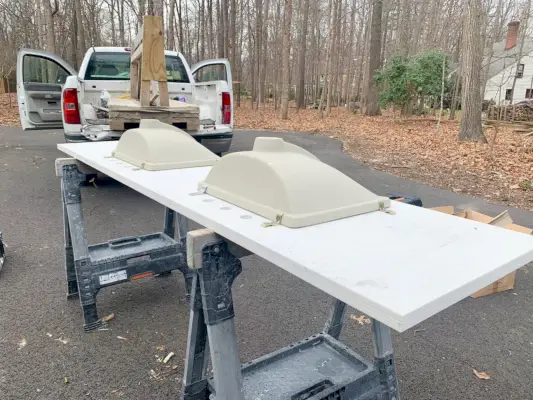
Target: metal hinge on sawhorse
[(316, 368), (90, 268)]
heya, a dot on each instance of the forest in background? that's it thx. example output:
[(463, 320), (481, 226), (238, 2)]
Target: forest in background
[(315, 52)]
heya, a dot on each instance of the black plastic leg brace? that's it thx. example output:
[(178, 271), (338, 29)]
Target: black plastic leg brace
[(76, 247), (211, 304)]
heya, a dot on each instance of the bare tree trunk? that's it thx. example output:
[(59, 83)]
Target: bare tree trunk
[(327, 77), (332, 57), (262, 77), (346, 91), (371, 103), (210, 34), (286, 50), (121, 28), (233, 36), (453, 106), (277, 53), (404, 28), (82, 48), (171, 38), (472, 57), (181, 43), (300, 102), (225, 16), (74, 39), (251, 55), (50, 29), (384, 28), (220, 30), (203, 31), (258, 47), (142, 11), (365, 53)]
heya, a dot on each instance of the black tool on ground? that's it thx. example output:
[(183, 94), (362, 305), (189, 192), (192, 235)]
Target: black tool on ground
[(415, 201)]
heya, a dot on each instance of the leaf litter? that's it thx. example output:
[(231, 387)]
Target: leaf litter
[(499, 171)]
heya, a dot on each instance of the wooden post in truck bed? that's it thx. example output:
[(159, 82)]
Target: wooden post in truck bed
[(148, 62)]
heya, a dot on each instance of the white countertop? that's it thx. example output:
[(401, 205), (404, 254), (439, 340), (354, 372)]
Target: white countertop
[(399, 269)]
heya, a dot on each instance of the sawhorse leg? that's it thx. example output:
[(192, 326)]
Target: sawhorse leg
[(77, 248), (195, 376), (218, 268), (336, 319), (383, 353), (384, 360), (72, 282), (169, 228)]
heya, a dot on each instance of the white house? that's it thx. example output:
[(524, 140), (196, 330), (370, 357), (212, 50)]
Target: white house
[(504, 67)]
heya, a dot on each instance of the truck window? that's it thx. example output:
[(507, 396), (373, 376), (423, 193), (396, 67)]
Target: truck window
[(116, 67), (42, 70), (211, 72)]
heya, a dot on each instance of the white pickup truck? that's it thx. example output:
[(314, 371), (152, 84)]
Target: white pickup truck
[(51, 94)]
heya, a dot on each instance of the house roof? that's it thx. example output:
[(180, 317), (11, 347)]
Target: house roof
[(502, 58)]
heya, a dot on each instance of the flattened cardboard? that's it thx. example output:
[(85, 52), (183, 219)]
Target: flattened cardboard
[(502, 220)]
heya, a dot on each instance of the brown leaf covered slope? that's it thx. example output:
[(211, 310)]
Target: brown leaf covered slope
[(500, 171)]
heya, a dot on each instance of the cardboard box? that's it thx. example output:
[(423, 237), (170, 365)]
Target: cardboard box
[(502, 220)]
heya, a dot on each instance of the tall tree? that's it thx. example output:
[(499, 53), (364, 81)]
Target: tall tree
[(264, 52), (286, 51), (49, 13), (370, 102), (472, 54), (81, 47), (300, 100)]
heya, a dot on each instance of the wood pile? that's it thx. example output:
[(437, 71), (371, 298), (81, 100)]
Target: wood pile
[(519, 112), (127, 113)]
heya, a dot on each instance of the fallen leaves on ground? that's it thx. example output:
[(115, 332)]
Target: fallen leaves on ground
[(9, 113), (22, 343), (163, 372), (62, 340), (168, 357), (480, 375), (499, 171), (362, 320), (109, 317)]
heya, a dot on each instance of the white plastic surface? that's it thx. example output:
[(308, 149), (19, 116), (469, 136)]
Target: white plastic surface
[(399, 269), (287, 184), (156, 146)]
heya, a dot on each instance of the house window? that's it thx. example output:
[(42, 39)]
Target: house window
[(529, 93), (508, 94), (520, 71)]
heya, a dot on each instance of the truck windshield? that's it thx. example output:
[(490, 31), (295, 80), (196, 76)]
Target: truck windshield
[(116, 67)]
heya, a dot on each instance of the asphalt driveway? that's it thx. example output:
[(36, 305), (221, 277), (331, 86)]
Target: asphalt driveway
[(44, 353)]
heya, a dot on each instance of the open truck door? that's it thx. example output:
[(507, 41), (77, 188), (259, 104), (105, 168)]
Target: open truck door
[(40, 80), (213, 91)]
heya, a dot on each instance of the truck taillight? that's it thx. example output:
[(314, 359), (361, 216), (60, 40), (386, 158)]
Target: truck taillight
[(71, 113), (226, 108)]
